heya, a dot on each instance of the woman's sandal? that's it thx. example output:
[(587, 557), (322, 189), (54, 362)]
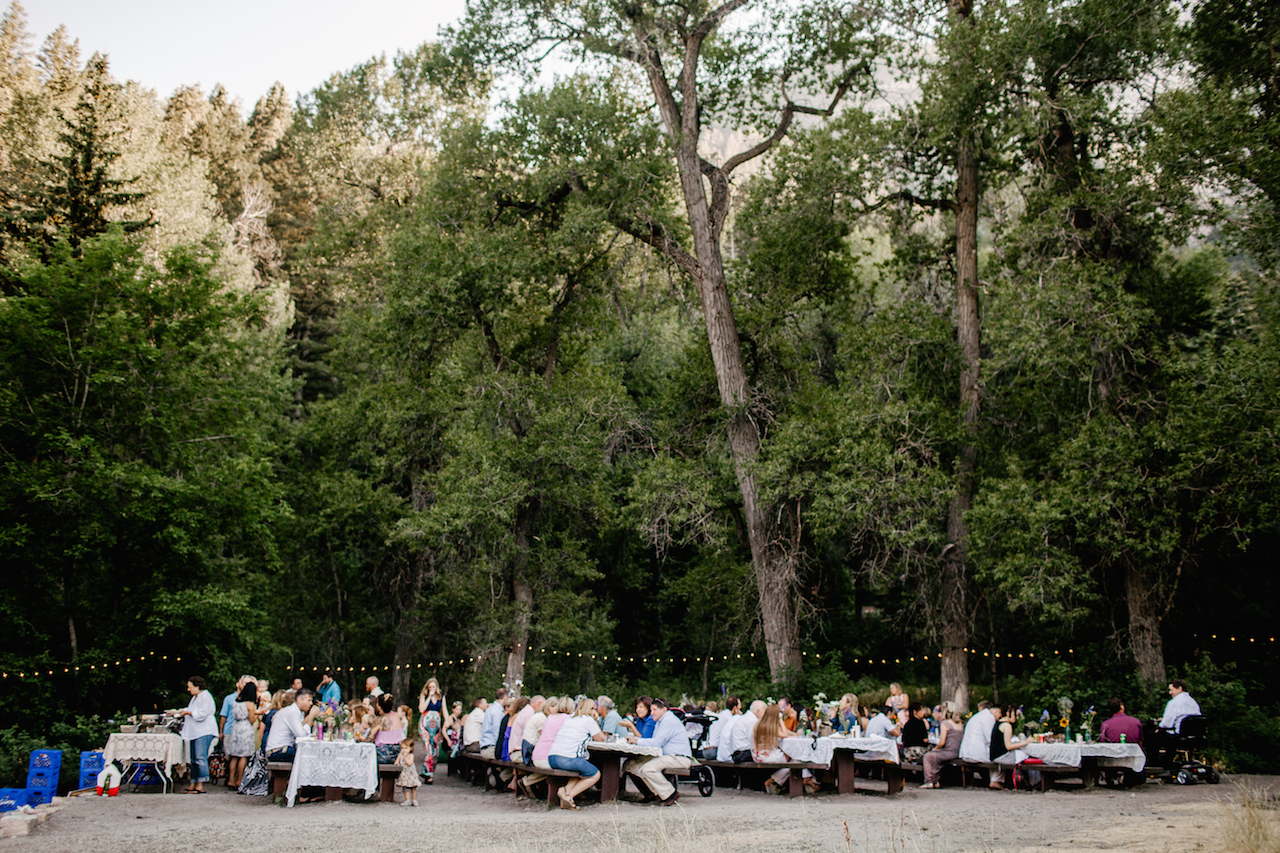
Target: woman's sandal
[(566, 802)]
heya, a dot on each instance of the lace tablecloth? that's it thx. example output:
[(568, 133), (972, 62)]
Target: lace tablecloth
[(624, 747), (1128, 755), (166, 749), (334, 764), (870, 748)]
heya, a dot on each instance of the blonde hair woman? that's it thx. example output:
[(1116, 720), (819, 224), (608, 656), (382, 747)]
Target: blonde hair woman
[(847, 714), (432, 720), (569, 749), (765, 749)]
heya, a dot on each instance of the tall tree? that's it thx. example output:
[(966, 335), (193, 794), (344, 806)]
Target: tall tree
[(703, 63)]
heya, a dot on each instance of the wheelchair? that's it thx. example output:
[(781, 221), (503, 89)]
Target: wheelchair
[(1179, 757)]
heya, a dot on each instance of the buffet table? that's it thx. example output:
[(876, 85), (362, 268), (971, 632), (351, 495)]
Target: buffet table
[(167, 751)]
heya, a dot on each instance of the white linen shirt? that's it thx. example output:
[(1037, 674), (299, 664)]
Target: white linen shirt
[(879, 726), (1176, 708), (718, 728), (202, 719), (471, 728), (975, 745), (533, 728), (738, 735), (286, 727)]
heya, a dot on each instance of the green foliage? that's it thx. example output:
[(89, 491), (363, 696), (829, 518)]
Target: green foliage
[(72, 737)]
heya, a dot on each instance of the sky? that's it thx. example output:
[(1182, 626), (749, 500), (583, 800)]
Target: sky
[(244, 45)]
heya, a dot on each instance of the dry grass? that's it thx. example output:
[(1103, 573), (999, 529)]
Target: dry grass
[(1248, 821)]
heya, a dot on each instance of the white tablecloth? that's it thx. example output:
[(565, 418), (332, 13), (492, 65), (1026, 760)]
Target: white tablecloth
[(1070, 754), (165, 748), (333, 764), (870, 748), (624, 747)]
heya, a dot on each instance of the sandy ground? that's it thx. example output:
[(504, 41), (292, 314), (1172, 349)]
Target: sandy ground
[(453, 816)]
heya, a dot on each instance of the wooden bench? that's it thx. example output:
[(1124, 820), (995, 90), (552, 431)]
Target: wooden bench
[(795, 780), (555, 780), (281, 770)]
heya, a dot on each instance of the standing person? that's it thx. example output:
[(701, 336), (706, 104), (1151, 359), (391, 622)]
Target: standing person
[(240, 745), (408, 779), (329, 693), (948, 747), (198, 729), (432, 720), (899, 702), (677, 754), (387, 740)]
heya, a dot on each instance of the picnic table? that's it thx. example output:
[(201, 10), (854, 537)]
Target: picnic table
[(333, 764), (167, 751), (608, 756), (844, 754), (1088, 758)]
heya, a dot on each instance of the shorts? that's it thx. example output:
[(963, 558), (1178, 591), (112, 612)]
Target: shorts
[(581, 766)]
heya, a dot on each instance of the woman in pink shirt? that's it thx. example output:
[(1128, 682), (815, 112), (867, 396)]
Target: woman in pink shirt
[(556, 709), (387, 740)]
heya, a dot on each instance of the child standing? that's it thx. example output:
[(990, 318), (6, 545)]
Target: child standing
[(408, 778), (899, 702)]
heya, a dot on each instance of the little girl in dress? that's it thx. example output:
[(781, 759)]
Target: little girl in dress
[(898, 701), (408, 778)]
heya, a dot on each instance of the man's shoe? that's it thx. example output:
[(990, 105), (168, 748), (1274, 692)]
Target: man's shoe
[(671, 800)]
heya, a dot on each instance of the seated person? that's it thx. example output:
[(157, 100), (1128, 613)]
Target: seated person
[(881, 726), (642, 725), (569, 748), (289, 724), (1120, 727), (915, 733), (1002, 739), (975, 743), (474, 724), (677, 755), (766, 748), (847, 714), (790, 718), (1180, 705), (738, 739), (611, 724), (948, 748)]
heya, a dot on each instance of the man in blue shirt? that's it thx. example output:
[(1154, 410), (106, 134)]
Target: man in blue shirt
[(668, 735), (492, 717), (611, 724), (329, 690)]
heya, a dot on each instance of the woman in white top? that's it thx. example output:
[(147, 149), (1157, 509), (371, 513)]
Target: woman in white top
[(199, 729), (569, 750)]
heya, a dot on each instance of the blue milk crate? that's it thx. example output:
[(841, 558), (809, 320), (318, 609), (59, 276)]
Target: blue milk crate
[(40, 796), (12, 798), (42, 779), (91, 765), (46, 759)]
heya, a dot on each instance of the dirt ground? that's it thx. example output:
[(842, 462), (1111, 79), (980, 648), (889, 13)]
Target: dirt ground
[(453, 816)]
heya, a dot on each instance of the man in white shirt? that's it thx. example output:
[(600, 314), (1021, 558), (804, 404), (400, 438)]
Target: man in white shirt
[(288, 725), (735, 742), (881, 726), (732, 708), (975, 744), (1180, 705), (473, 725), (371, 687)]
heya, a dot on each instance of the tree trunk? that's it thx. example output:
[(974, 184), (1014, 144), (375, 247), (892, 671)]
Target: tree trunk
[(954, 607), (1144, 625), (522, 596), (774, 571)]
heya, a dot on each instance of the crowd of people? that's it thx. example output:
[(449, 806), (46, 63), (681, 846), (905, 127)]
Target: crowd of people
[(257, 726)]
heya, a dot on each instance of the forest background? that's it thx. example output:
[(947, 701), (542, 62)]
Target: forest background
[(757, 348)]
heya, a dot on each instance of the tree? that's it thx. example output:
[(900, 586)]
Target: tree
[(702, 64)]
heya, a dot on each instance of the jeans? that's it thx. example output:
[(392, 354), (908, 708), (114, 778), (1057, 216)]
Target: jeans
[(200, 758), (284, 754), (581, 766), (526, 753)]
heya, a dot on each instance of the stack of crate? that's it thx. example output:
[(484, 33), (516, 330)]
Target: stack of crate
[(42, 775), (90, 766)]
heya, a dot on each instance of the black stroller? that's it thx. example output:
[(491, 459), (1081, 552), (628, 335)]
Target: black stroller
[(1178, 757)]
